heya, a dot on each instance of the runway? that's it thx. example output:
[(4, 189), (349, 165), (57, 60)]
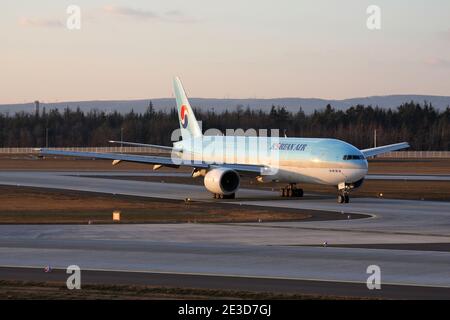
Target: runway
[(411, 177), (252, 284), (277, 250), (147, 173)]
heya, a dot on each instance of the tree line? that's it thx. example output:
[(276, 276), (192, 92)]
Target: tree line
[(424, 127)]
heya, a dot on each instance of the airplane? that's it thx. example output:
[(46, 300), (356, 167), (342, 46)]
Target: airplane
[(287, 159)]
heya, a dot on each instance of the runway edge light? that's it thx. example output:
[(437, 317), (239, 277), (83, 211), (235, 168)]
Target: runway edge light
[(116, 216)]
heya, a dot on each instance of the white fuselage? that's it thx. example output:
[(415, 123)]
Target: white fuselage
[(291, 160)]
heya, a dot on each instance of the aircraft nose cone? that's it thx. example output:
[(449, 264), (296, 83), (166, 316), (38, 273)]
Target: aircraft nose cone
[(358, 172), (362, 169), (365, 165)]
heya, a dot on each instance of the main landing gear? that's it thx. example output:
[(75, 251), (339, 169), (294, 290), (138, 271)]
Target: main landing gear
[(224, 196), (291, 191)]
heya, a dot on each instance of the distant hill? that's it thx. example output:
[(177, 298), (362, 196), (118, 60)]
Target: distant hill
[(221, 105)]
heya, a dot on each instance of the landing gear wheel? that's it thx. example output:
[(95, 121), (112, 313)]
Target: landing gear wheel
[(224, 196), (340, 198), (291, 191), (346, 198), (298, 193)]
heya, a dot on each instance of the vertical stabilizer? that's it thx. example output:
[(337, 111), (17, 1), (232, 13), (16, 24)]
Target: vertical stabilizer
[(188, 123)]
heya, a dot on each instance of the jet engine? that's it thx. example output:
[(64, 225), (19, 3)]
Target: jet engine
[(222, 181)]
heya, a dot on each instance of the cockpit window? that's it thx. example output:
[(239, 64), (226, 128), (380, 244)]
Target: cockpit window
[(353, 157)]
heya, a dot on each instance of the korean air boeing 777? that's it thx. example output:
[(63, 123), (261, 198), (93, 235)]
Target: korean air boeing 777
[(223, 160)]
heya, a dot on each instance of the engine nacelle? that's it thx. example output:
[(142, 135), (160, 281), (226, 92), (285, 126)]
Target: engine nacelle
[(222, 181)]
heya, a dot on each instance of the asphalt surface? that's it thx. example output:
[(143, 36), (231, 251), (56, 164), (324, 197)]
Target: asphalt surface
[(443, 247), (246, 284), (147, 173), (278, 250), (412, 177)]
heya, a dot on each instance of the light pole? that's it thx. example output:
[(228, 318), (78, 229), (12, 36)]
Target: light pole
[(121, 139), (375, 138)]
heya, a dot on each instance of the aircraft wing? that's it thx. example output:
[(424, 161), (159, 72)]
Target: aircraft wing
[(164, 161), (384, 149), (134, 144)]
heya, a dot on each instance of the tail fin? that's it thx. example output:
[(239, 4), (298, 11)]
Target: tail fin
[(188, 123)]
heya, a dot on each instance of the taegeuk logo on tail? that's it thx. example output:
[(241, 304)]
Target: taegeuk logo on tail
[(183, 116)]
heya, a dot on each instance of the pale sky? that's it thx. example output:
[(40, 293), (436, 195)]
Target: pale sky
[(222, 49)]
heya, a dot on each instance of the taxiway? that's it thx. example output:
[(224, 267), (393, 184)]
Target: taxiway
[(276, 250)]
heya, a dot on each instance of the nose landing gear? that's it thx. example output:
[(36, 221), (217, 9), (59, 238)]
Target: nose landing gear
[(343, 193), (343, 198)]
